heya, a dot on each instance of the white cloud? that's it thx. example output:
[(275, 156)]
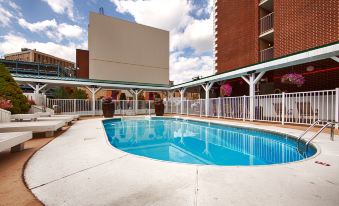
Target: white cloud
[(164, 14), (5, 17), (197, 35), (38, 26), (185, 32), (70, 31), (13, 43), (185, 68), (52, 29), (62, 7)]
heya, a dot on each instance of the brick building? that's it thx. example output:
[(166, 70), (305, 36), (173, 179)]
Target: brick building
[(30, 55), (252, 31)]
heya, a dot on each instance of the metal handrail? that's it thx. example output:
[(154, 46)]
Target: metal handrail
[(321, 129), (304, 133)]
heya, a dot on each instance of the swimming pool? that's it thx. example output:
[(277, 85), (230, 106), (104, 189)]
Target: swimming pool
[(194, 142)]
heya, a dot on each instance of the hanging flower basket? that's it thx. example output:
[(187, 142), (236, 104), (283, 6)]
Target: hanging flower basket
[(294, 79), (226, 90)]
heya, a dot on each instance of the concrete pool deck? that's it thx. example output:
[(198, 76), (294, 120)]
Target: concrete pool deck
[(80, 167)]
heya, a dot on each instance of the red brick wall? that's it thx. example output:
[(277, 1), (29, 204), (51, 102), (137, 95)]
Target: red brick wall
[(82, 62), (237, 35), (304, 24)]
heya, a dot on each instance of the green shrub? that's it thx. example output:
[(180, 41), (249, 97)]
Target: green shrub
[(78, 94), (10, 90), (122, 96), (75, 93)]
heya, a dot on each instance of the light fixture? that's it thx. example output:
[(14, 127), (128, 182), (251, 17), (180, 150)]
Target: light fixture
[(310, 68)]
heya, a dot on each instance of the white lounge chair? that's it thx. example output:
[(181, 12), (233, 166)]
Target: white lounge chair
[(21, 117), (68, 118), (47, 127), (14, 140)]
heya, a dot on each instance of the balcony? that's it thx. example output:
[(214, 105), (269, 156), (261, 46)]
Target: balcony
[(266, 54), (266, 24), (266, 4)]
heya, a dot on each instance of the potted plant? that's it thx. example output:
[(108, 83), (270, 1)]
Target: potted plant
[(293, 78), (226, 90), (159, 106), (108, 107)]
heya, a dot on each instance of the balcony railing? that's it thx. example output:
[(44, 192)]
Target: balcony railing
[(266, 23), (266, 54)]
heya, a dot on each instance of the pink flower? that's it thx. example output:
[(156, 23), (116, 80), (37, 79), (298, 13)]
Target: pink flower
[(226, 90), (5, 104), (293, 78)]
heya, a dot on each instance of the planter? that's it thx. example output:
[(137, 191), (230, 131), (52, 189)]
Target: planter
[(108, 109), (159, 108)]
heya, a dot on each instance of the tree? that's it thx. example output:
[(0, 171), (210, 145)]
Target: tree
[(78, 94), (75, 93), (141, 96), (10, 90), (122, 96)]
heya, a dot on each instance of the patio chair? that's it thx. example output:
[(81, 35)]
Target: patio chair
[(278, 110), (306, 112)]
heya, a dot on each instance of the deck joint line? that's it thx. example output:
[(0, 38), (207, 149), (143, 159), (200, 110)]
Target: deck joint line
[(88, 168), (196, 187)]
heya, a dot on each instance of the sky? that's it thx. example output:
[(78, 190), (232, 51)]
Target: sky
[(58, 27)]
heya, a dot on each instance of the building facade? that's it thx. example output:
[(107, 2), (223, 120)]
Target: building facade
[(126, 51), (82, 63), (252, 31), (30, 55)]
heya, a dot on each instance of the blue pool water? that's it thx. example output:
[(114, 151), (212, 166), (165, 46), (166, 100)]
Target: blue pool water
[(195, 142)]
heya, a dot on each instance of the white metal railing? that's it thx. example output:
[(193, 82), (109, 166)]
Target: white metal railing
[(75, 106), (5, 116), (266, 23), (85, 107), (294, 108), (266, 54)]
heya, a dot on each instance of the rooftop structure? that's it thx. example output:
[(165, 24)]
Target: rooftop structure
[(32, 55)]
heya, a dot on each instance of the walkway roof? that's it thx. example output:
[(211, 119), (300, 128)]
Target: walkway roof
[(314, 54)]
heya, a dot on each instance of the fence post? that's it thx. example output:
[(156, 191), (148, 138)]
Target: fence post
[(219, 106), (187, 107), (123, 108), (336, 107), (200, 106), (74, 105), (244, 108), (283, 108), (149, 107)]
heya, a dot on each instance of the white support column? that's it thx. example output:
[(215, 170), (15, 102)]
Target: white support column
[(182, 94), (169, 100), (135, 93), (336, 107), (252, 81), (207, 87), (93, 91), (37, 88)]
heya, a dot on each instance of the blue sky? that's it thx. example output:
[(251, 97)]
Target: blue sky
[(59, 27)]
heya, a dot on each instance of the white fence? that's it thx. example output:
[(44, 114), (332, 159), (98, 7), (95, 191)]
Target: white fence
[(295, 108), (74, 106), (5, 116), (85, 107)]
